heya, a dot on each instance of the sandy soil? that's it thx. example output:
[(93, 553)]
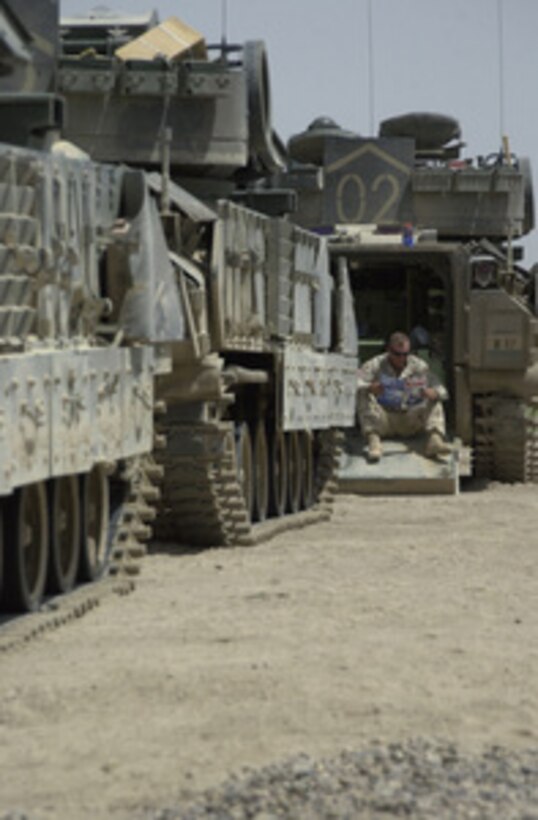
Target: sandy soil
[(400, 618)]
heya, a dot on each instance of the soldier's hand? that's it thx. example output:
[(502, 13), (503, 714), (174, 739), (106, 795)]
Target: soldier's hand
[(375, 388), (431, 393)]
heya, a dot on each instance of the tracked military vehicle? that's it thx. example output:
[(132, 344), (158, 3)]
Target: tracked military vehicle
[(78, 361), (429, 240), (265, 373)]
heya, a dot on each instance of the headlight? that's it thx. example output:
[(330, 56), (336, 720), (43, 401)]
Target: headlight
[(484, 272)]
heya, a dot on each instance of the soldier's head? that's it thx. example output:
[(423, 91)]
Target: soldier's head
[(398, 348)]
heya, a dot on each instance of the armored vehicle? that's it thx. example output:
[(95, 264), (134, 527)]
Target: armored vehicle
[(428, 239), (265, 372), (78, 360)]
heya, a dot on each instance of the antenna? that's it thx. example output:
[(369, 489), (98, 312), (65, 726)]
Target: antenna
[(500, 34), (224, 22), (371, 83), (505, 145)]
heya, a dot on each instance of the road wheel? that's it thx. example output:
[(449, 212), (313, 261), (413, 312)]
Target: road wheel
[(245, 465), (64, 517), (26, 539), (293, 447), (279, 475), (95, 516), (307, 465), (261, 473)]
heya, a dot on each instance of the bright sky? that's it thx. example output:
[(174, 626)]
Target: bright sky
[(427, 55)]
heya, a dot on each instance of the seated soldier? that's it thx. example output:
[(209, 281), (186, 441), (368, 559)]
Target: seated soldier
[(399, 396)]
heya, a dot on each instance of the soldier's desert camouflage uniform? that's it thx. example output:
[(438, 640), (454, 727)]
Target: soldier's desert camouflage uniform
[(427, 416)]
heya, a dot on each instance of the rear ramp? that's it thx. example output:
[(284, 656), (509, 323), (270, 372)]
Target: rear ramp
[(402, 470)]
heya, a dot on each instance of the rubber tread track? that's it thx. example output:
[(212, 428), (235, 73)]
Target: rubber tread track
[(131, 526), (202, 502), (506, 439), (127, 549), (15, 632)]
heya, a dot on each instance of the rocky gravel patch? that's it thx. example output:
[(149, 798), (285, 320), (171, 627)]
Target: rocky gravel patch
[(418, 779)]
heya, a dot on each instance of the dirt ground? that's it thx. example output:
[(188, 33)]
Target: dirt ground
[(401, 618)]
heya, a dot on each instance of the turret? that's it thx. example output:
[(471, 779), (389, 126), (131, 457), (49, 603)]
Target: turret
[(149, 93), (411, 173)]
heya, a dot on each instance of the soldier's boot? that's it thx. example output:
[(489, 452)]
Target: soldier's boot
[(375, 450), (437, 446)]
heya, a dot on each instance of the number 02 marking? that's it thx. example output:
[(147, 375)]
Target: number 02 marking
[(357, 197)]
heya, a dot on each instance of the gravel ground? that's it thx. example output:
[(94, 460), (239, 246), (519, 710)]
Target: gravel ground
[(419, 779), (404, 630)]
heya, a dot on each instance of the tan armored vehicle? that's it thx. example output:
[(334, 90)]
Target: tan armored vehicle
[(430, 242), (264, 373), (78, 360)]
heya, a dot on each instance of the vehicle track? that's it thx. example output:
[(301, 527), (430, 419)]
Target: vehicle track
[(129, 531), (16, 631), (506, 439), (203, 503), (207, 501)]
